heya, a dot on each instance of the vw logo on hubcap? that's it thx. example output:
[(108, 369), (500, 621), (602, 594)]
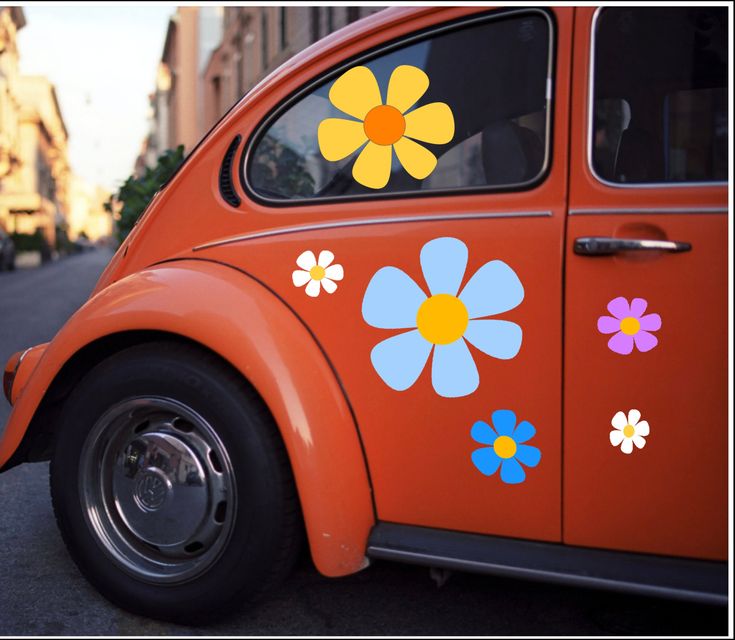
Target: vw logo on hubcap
[(152, 489)]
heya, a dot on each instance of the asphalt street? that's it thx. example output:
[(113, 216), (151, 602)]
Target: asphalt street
[(42, 593)]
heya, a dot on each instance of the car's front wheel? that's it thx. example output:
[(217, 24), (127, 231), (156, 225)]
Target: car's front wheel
[(171, 486)]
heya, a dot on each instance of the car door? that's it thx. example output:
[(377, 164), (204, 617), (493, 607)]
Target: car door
[(645, 402), (433, 289)]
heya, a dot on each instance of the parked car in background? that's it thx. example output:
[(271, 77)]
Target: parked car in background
[(7, 250), (448, 288)]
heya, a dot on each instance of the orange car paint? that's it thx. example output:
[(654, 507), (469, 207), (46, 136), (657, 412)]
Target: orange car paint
[(673, 497), (241, 320), (418, 450)]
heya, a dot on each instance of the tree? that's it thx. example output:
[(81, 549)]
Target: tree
[(135, 193)]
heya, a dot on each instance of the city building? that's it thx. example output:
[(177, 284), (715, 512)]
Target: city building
[(12, 20), (212, 56), (34, 195), (86, 215)]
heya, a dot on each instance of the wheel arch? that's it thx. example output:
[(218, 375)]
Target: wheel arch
[(268, 345)]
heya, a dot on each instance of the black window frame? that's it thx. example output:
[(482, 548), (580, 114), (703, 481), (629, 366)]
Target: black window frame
[(413, 38), (591, 124)]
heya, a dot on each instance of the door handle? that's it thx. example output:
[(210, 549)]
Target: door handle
[(606, 246)]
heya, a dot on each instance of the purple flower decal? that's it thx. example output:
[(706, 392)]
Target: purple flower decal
[(629, 325)]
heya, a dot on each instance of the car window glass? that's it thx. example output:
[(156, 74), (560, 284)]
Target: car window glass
[(492, 77), (660, 95)]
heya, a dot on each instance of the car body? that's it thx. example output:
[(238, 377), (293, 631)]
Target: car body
[(331, 288), (7, 250)]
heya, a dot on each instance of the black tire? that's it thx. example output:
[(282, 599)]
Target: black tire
[(258, 532)]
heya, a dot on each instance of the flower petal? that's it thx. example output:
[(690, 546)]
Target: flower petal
[(453, 371), (642, 428), (633, 417), (511, 472), (313, 288), (325, 258), (306, 260), (494, 288), (406, 85), (638, 307), (619, 308), (524, 432), (528, 455), (443, 261), (483, 433), (399, 360), (334, 272), (497, 338), (504, 421), (639, 441), (621, 343), (300, 278), (372, 167), (338, 137), (329, 285), (606, 324), (417, 160), (651, 322), (627, 446), (486, 460), (355, 92), (391, 300), (616, 437), (432, 123), (619, 420), (645, 341)]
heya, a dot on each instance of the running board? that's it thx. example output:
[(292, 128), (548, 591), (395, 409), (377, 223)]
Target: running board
[(681, 578)]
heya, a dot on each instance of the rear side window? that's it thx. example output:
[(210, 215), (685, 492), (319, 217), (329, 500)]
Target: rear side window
[(466, 108), (660, 95)]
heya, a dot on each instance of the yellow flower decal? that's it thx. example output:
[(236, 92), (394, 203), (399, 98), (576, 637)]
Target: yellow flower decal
[(384, 126)]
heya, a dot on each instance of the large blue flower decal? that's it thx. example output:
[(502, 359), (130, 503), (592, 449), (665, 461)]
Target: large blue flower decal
[(443, 321), (506, 449)]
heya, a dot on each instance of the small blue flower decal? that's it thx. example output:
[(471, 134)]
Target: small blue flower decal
[(444, 321), (506, 449)]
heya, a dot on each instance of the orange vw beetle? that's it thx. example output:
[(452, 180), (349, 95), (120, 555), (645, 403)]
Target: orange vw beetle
[(448, 288)]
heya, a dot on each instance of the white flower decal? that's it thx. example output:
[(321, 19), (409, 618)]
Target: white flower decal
[(629, 431), (318, 273)]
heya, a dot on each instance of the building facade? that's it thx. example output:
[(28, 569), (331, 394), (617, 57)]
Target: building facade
[(86, 215), (35, 194), (12, 20)]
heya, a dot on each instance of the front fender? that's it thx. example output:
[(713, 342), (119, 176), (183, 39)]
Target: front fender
[(240, 319)]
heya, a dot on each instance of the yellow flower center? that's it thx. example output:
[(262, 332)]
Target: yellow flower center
[(384, 125), (442, 319), (629, 431), (630, 326), (316, 272), (505, 446)]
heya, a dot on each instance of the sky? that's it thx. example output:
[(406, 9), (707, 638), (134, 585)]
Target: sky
[(102, 60)]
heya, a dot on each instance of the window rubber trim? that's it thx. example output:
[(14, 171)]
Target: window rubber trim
[(385, 48), (590, 124)]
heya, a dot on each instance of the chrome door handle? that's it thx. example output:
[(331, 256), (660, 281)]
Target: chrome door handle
[(606, 246)]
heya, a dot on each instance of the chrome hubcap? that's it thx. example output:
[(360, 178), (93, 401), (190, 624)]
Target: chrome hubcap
[(157, 489)]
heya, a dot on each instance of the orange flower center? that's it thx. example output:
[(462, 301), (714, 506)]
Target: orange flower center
[(384, 125)]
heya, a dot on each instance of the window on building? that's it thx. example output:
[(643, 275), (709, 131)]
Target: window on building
[(353, 13), (264, 38), (315, 19), (330, 19), (492, 73), (660, 95), (283, 28)]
